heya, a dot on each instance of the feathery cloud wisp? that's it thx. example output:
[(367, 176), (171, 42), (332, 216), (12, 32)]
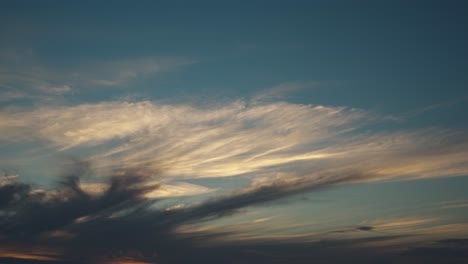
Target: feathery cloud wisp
[(281, 139)]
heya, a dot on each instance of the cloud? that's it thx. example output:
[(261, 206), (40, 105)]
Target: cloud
[(87, 227), (453, 250), (177, 189), (285, 149), (6, 96), (273, 139), (15, 257), (402, 223), (26, 76), (12, 192), (121, 225), (120, 72), (280, 91), (58, 90)]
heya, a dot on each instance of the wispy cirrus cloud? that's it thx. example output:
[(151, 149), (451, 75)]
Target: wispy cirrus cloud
[(282, 140), (282, 90), (26, 76), (175, 189), (457, 204), (121, 72)]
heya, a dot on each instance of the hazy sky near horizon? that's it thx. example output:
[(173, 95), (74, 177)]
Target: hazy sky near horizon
[(262, 122)]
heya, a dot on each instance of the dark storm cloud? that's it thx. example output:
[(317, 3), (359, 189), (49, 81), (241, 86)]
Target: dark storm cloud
[(262, 193), (365, 228), (40, 212), (77, 227), (87, 227), (12, 193)]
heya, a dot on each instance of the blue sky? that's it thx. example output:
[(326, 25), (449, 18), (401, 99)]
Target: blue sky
[(351, 112)]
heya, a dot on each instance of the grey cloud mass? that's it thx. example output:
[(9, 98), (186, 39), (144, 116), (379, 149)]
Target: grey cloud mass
[(70, 224)]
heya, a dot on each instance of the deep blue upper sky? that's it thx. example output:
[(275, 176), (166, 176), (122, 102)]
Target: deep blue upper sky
[(393, 56)]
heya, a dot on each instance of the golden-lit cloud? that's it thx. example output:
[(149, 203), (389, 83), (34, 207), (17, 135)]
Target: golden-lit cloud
[(402, 223), (238, 138), (40, 255), (457, 204), (174, 189)]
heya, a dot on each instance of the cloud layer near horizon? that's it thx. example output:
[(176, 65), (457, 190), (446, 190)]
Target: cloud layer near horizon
[(120, 224), (70, 223)]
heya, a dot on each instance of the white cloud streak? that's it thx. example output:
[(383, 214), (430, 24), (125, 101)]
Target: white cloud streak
[(270, 139), (25, 76), (175, 189)]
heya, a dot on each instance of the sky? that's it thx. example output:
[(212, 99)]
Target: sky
[(233, 131)]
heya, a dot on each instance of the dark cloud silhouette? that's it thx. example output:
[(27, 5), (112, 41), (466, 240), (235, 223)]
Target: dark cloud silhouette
[(365, 228), (12, 193), (91, 228), (74, 226), (442, 251), (455, 241)]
